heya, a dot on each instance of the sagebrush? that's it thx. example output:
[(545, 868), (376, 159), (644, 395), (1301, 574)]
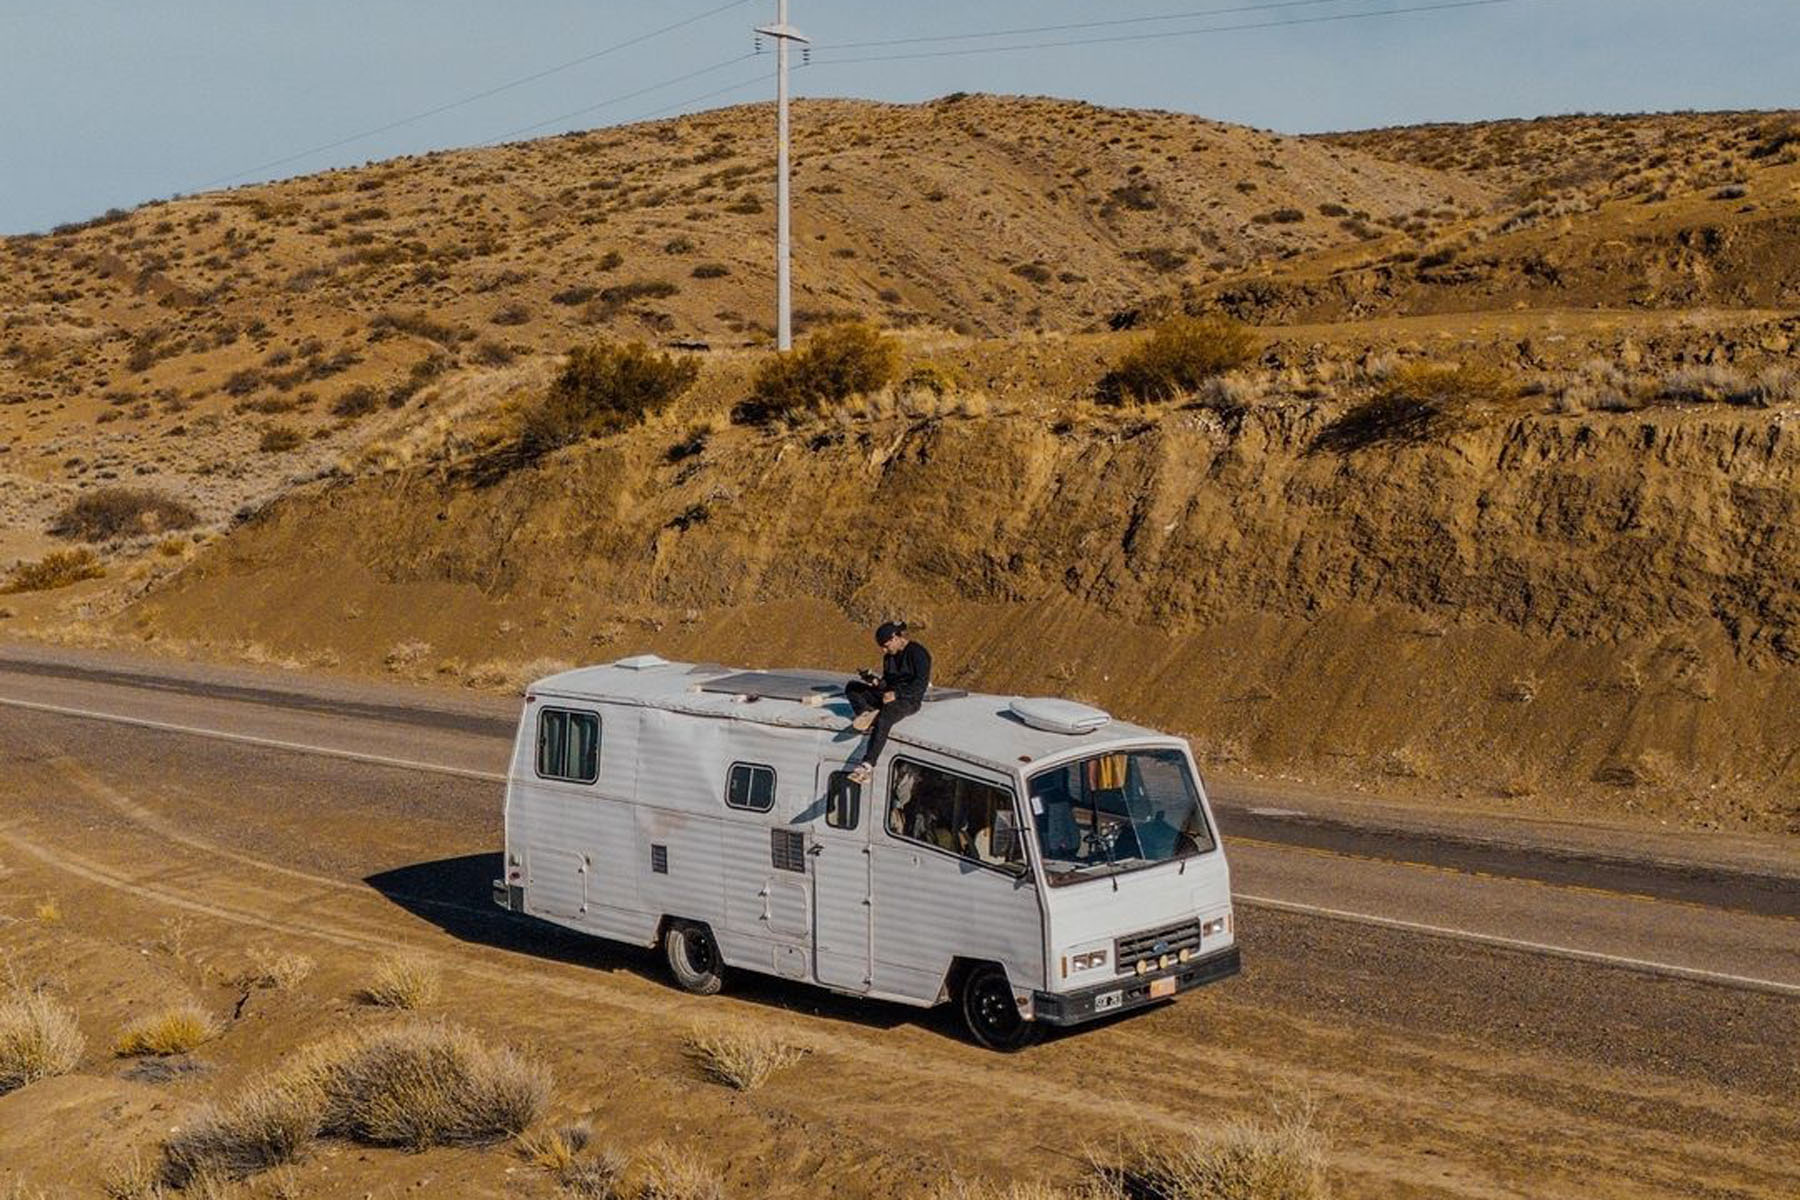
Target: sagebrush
[(1180, 355), (114, 511), (831, 366), (603, 387)]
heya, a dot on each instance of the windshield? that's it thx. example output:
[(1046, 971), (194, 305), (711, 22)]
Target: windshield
[(1116, 812)]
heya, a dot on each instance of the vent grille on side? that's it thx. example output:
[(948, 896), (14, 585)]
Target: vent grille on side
[(787, 849), (659, 859)]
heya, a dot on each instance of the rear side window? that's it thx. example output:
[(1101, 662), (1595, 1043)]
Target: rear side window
[(568, 746), (750, 786)]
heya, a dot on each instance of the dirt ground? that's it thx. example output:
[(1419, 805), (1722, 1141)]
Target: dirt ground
[(1437, 1069)]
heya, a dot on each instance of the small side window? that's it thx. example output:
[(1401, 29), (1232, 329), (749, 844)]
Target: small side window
[(568, 745), (843, 801), (750, 786)]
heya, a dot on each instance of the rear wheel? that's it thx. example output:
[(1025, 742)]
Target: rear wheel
[(693, 958), (990, 1013)]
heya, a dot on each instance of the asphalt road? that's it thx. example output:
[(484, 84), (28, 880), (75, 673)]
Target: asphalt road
[(1724, 923)]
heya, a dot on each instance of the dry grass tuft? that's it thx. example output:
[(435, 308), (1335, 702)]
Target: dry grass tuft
[(59, 568), (671, 1174), (48, 910), (416, 1086), (428, 1085), (554, 1149), (136, 1178), (601, 1177), (265, 1127), (172, 1031), (404, 981), (1283, 1159), (279, 970), (38, 1039), (963, 1189), (742, 1057)]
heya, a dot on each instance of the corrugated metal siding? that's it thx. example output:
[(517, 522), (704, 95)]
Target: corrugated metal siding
[(931, 907)]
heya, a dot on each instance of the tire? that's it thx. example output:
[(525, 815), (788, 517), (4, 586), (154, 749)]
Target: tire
[(693, 958), (989, 1012)]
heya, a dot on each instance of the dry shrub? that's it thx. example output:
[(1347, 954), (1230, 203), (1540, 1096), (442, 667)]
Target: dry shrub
[(415, 1086), (605, 387), (403, 981), (135, 1178), (279, 439), (554, 1149), (266, 1126), (38, 1039), (48, 910), (279, 970), (1283, 1159), (963, 1189), (671, 1174), (834, 364), (598, 1178), (59, 568), (940, 379), (742, 1057), (172, 1031), (1417, 402), (428, 1085), (1180, 354), (110, 512)]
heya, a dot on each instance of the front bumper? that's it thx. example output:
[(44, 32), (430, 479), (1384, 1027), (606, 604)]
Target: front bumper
[(1132, 991)]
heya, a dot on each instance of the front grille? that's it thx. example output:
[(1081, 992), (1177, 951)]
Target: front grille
[(1152, 944)]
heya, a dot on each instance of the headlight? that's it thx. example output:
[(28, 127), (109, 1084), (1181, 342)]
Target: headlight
[(1088, 961), (1216, 927)]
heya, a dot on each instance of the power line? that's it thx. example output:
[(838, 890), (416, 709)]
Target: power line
[(1022, 30), (481, 95), (609, 102), (824, 60)]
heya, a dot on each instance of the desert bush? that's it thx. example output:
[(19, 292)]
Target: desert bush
[(172, 1031), (742, 1058), (936, 378), (358, 401), (671, 1174), (59, 568), (604, 387), (264, 1127), (279, 439), (427, 1085), (554, 1149), (134, 1178), (1180, 354), (834, 364), (1283, 1159), (403, 981), (598, 1178), (38, 1039), (490, 353), (419, 324), (613, 300), (278, 970), (1417, 402), (710, 271), (957, 1188), (511, 314), (110, 512)]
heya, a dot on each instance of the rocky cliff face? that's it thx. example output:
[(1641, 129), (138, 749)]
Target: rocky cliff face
[(1598, 602)]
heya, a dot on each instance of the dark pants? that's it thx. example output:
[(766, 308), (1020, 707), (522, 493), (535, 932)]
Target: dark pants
[(866, 697)]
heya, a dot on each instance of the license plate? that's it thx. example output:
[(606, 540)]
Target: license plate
[(1162, 987), (1107, 1001)]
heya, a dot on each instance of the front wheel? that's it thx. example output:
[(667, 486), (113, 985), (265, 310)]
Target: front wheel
[(990, 1013), (693, 958)]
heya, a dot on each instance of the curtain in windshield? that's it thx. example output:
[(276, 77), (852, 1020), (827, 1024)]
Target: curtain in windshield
[(1117, 812)]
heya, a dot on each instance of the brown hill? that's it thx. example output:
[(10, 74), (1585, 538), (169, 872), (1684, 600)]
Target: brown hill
[(1589, 584)]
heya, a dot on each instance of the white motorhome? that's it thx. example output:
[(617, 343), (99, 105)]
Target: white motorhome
[(1034, 861)]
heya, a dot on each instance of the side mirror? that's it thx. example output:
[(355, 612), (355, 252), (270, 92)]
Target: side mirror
[(1006, 843)]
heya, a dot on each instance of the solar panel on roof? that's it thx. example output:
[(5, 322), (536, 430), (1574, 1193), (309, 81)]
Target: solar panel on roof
[(802, 687)]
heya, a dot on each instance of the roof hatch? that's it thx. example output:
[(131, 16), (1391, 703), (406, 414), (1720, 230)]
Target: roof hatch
[(1058, 716)]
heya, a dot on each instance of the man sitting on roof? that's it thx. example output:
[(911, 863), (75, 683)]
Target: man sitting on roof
[(879, 701)]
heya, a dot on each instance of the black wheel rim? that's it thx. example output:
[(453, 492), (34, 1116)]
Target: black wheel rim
[(995, 1014), (697, 952)]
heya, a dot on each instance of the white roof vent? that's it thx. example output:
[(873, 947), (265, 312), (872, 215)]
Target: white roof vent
[(1059, 716), (642, 662)]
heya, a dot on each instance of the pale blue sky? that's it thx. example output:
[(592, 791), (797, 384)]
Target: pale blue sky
[(108, 103)]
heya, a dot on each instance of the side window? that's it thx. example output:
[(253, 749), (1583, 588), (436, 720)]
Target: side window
[(843, 801), (568, 745), (963, 816), (750, 786)]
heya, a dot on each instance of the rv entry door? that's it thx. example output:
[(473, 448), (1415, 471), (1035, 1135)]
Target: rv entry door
[(840, 881)]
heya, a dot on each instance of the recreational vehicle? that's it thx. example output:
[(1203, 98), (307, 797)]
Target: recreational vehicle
[(1031, 860)]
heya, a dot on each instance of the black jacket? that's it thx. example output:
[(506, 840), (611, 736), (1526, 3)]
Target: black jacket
[(908, 673)]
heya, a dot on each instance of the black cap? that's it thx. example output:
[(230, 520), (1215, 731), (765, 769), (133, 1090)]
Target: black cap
[(887, 631)]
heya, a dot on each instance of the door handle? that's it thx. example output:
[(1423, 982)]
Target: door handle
[(814, 851)]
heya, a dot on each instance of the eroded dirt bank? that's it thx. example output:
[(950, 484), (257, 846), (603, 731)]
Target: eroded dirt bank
[(1592, 610)]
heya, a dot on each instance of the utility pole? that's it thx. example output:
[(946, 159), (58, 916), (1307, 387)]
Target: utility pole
[(783, 33)]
